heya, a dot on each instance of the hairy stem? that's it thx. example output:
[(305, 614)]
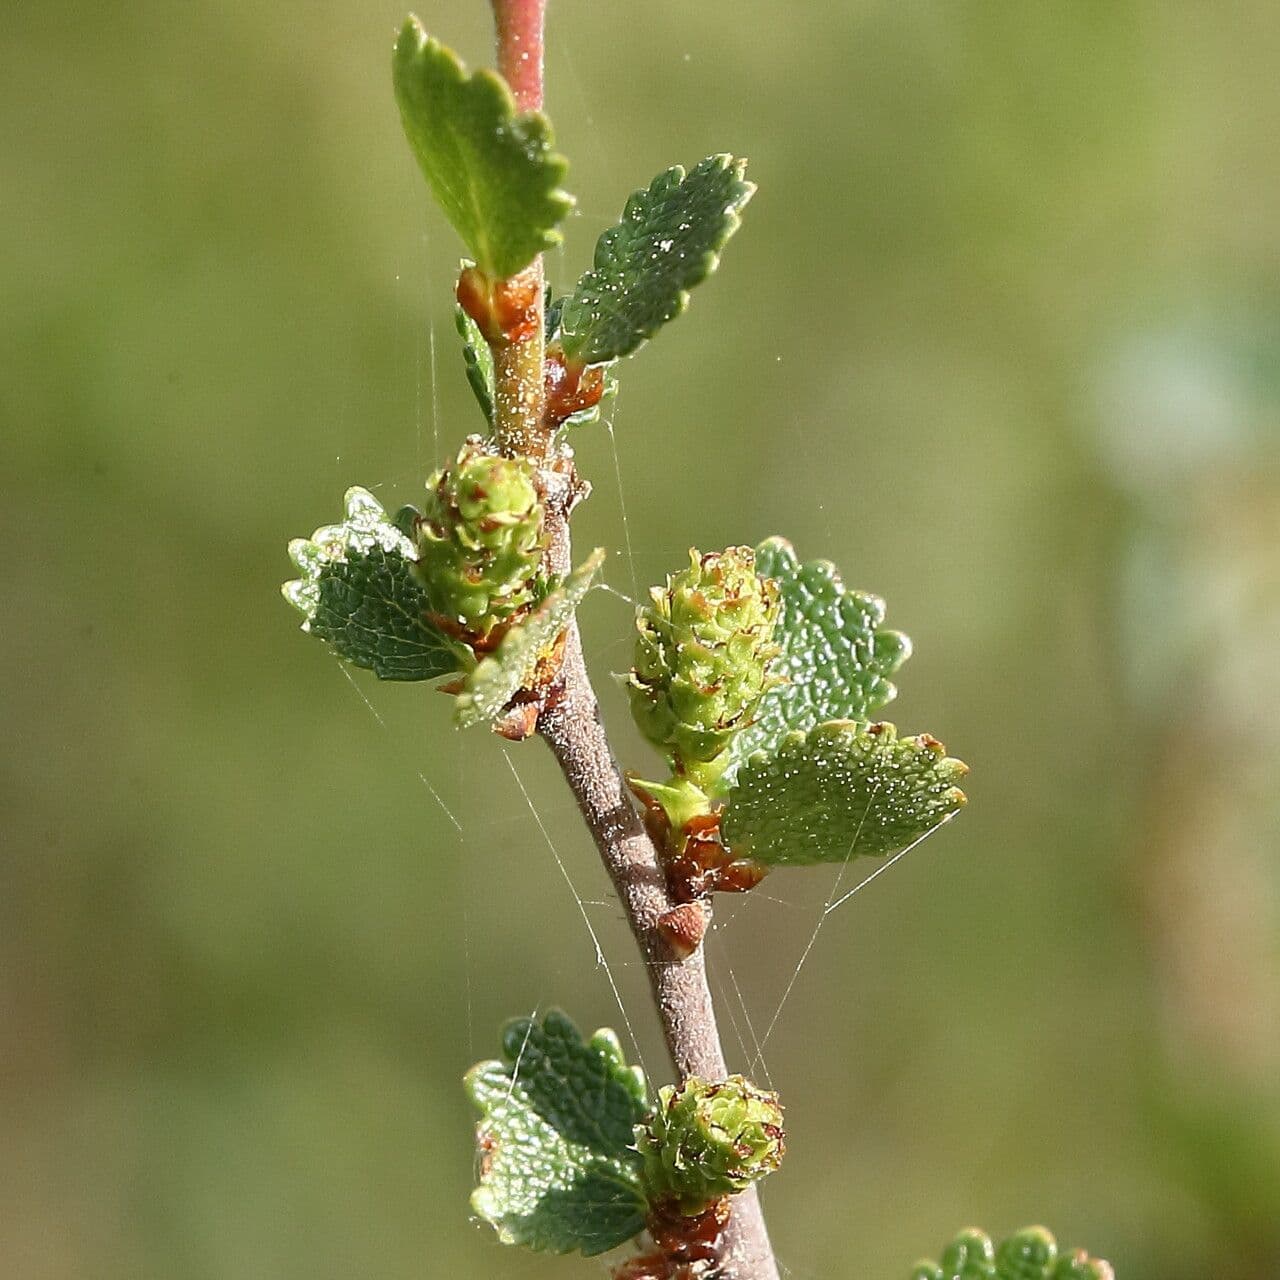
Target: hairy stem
[(519, 381), (572, 728), (520, 26), (571, 724), (570, 719), (518, 364)]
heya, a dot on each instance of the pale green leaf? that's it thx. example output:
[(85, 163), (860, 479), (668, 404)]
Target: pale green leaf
[(837, 792), (836, 658), (358, 593), (493, 170), (558, 1168), (668, 240), (503, 673), (1030, 1254)]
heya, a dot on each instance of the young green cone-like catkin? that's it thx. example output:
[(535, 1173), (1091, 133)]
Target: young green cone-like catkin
[(709, 1140), (702, 654), (480, 538)]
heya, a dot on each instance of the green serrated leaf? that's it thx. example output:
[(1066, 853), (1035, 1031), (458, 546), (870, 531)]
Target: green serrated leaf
[(494, 171), (477, 357), (668, 240), (840, 791), (558, 1168), (1030, 1254), (358, 593), (836, 659), (503, 673)]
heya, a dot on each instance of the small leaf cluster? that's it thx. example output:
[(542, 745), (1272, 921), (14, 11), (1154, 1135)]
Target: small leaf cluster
[(758, 677), (575, 1156), (497, 177), (801, 771), (709, 1139), (461, 588), (459, 592)]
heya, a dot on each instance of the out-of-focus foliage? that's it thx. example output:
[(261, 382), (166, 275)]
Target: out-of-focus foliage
[(1030, 1254), (999, 340)]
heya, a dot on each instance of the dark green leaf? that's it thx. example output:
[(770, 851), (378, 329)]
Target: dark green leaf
[(358, 593), (668, 240), (494, 171), (558, 1168)]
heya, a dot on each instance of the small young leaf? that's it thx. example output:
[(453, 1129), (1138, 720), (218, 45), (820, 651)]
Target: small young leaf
[(494, 172), (667, 241), (509, 668), (558, 1169), (583, 417), (358, 593), (586, 417), (478, 360), (1030, 1254), (837, 792), (835, 662)]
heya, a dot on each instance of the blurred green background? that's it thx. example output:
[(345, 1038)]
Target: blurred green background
[(1001, 336)]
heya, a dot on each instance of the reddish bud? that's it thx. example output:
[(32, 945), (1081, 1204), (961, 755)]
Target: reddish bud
[(684, 927), (570, 388), (505, 311)]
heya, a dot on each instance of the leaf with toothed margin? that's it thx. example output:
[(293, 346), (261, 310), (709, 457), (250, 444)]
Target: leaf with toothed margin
[(357, 593), (1030, 1254), (668, 240), (509, 668), (836, 658), (478, 361), (558, 1166), (840, 791), (492, 169)]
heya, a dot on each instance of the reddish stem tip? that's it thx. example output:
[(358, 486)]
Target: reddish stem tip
[(520, 26)]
